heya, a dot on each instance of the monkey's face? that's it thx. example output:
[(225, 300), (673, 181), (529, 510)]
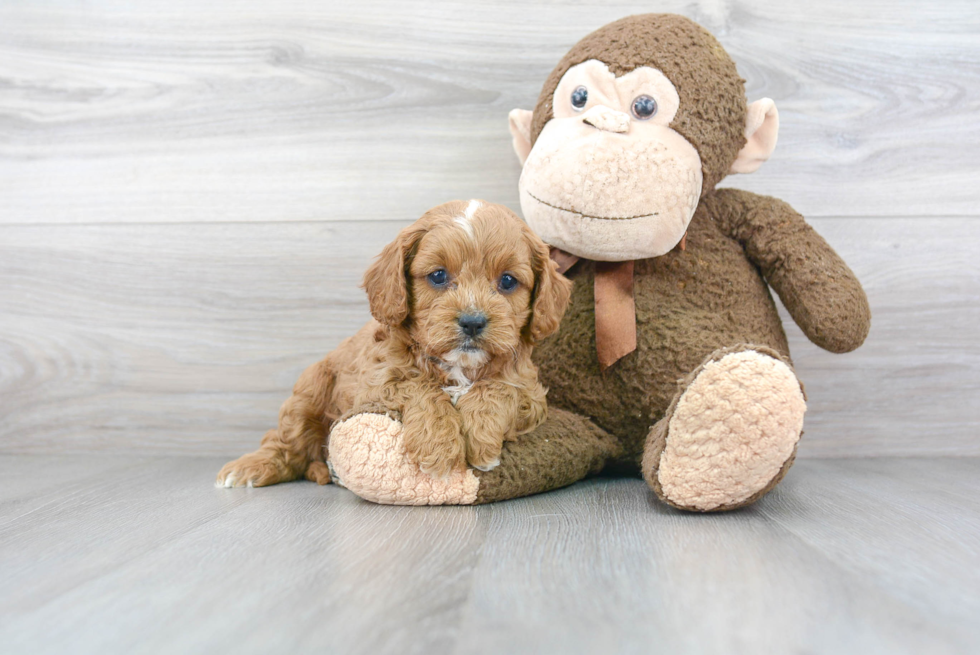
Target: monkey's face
[(608, 178)]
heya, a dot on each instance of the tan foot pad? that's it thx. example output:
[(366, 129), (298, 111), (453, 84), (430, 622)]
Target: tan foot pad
[(367, 457), (732, 430)]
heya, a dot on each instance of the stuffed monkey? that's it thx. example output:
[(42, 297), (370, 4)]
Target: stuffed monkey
[(671, 361)]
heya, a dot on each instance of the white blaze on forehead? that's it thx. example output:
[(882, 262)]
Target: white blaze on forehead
[(466, 220), (471, 209)]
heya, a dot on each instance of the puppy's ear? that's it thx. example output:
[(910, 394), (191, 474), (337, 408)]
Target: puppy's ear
[(385, 280), (552, 291)]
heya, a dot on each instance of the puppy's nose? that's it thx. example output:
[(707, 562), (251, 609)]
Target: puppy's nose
[(472, 324)]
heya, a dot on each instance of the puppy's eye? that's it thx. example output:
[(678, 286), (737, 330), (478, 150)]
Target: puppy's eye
[(507, 283), (438, 278), (644, 107), (580, 96)]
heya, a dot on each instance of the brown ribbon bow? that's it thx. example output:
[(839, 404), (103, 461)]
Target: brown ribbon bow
[(615, 308)]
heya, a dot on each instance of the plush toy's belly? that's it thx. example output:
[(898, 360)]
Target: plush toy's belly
[(688, 304)]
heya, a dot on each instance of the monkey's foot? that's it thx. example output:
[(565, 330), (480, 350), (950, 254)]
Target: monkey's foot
[(367, 455), (730, 435)]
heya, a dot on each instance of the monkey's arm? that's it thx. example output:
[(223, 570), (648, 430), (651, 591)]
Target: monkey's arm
[(821, 293)]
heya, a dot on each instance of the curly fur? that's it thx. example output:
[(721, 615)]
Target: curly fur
[(459, 397)]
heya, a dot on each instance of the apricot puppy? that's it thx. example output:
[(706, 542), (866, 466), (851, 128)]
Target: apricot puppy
[(459, 299)]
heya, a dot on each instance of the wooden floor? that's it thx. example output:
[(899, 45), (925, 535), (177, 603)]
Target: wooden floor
[(124, 555)]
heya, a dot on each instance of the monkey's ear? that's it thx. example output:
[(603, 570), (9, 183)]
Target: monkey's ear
[(761, 131), (520, 129), (385, 281), (551, 293)]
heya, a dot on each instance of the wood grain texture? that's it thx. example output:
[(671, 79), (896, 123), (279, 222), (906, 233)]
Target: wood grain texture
[(176, 339), (912, 388), (377, 110), (846, 556), (169, 338)]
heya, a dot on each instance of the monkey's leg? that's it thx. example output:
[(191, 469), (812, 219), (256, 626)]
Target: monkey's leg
[(367, 456), (730, 434)]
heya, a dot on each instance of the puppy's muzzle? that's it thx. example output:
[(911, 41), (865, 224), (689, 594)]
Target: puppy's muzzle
[(472, 324)]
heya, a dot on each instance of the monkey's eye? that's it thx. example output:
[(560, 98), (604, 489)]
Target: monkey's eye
[(507, 283), (580, 96), (644, 107), (438, 278)]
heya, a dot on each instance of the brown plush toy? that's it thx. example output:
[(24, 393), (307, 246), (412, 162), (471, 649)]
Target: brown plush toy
[(671, 360)]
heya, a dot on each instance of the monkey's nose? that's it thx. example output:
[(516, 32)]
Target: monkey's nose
[(607, 119), (472, 324)]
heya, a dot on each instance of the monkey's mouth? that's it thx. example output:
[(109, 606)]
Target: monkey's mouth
[(601, 218)]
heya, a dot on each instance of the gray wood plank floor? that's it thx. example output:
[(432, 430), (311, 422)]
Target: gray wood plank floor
[(139, 555)]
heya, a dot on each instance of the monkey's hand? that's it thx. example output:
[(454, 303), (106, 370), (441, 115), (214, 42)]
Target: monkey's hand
[(820, 292)]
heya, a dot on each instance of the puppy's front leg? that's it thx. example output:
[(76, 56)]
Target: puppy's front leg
[(532, 408), (432, 428), (494, 412), (489, 412)]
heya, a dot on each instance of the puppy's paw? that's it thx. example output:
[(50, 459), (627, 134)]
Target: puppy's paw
[(483, 456), (435, 445), (438, 460), (318, 472), (483, 450), (486, 467), (258, 469)]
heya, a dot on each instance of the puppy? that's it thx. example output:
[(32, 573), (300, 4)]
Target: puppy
[(459, 298)]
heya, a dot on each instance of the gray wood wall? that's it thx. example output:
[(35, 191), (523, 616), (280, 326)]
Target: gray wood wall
[(190, 192)]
